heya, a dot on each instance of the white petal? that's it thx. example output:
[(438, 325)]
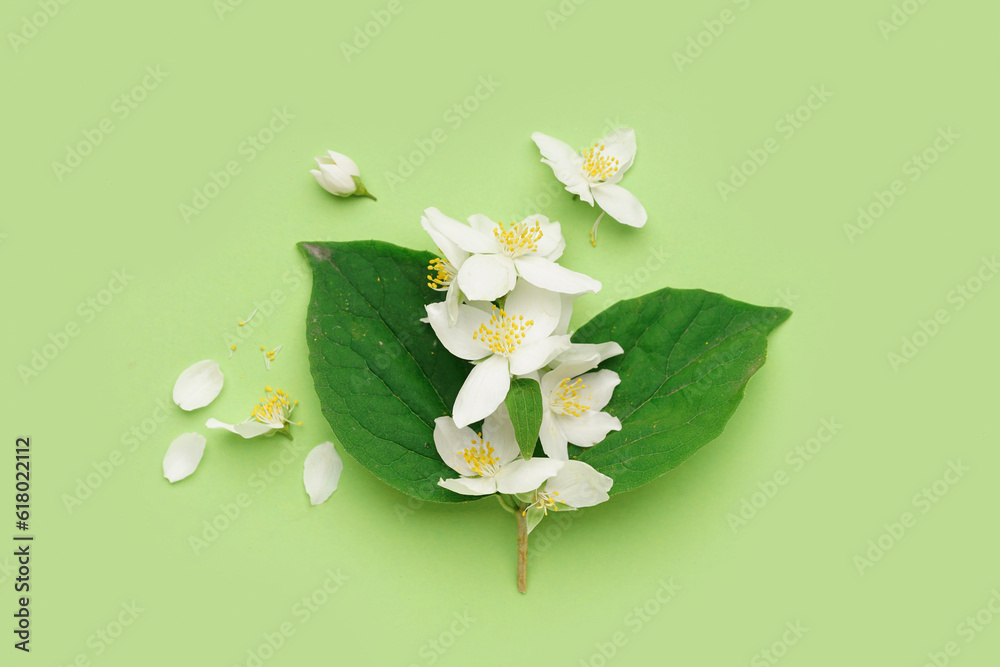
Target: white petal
[(470, 486), (450, 440), (452, 300), (551, 276), (541, 306), (458, 339), (599, 387), (345, 163), (581, 188), (523, 476), (530, 357), (620, 144), (321, 472), (620, 204), (487, 277), (198, 385), (483, 391), (452, 252), (551, 245), (183, 456), (586, 356), (498, 430), (579, 485), (565, 313), (248, 429), (552, 437), (553, 149), (482, 224), (589, 428), (467, 238)]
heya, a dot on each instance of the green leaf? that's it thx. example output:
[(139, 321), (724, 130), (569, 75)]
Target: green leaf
[(381, 375), (688, 357), (524, 404)]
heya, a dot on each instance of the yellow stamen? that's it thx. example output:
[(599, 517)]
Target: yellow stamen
[(503, 333)]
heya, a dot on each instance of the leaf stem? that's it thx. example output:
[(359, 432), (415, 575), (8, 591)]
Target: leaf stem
[(522, 549)]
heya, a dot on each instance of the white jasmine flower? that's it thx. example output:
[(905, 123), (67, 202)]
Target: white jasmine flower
[(198, 385), (576, 485), (321, 472), (339, 175), (270, 416), (571, 409), (594, 174), (499, 254), (488, 462), (513, 340), (183, 456)]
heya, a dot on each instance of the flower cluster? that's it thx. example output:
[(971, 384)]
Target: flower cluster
[(506, 310)]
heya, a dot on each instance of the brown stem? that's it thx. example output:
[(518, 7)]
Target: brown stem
[(522, 550)]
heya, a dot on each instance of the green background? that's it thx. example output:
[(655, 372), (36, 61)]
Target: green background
[(779, 240)]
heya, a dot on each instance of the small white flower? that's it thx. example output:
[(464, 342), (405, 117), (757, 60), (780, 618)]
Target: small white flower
[(321, 472), (183, 456), (270, 416), (576, 485), (513, 340), (198, 385), (594, 174), (488, 462), (339, 175), (571, 409), (499, 254)]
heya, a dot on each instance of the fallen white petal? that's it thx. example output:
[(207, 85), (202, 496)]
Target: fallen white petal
[(251, 428), (322, 472), (183, 456), (198, 385)]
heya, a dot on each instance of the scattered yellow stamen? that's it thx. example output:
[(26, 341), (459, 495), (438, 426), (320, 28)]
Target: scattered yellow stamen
[(252, 315), (231, 350), (503, 333), (269, 357), (593, 230)]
